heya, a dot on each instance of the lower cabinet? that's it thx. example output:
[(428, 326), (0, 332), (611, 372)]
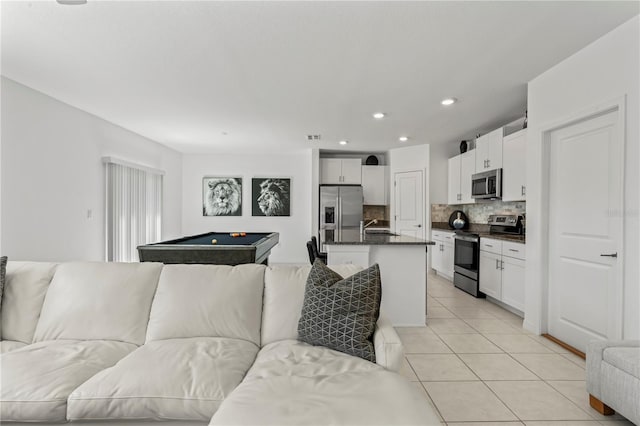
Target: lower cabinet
[(502, 271), (442, 253)]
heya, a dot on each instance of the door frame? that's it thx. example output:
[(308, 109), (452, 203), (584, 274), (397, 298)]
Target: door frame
[(618, 105), (425, 217)]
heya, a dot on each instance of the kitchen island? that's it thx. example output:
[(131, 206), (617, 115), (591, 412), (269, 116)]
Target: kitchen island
[(403, 269)]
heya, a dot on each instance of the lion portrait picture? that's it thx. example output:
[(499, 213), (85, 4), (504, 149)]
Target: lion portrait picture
[(221, 196), (271, 196)]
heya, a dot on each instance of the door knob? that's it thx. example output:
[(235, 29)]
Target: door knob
[(610, 255), (418, 226)]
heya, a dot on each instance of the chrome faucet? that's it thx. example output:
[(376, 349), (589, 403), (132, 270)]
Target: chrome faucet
[(364, 226)]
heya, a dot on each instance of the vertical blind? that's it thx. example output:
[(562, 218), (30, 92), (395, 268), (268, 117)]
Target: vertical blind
[(134, 209)]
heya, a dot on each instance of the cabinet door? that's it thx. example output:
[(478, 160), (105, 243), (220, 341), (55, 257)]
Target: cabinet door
[(494, 149), (331, 171), (482, 151), (447, 259), (352, 171), (374, 185), (513, 282), (467, 169), (514, 177), (453, 194), (490, 275), (437, 256)]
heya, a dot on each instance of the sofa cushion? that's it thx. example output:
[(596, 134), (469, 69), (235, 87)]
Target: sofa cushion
[(625, 359), (208, 301), (24, 293), (292, 383), (37, 379), (178, 379), (341, 313), (99, 300), (283, 295), (10, 345)]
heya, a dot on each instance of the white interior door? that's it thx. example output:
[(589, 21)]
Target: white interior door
[(409, 215), (585, 230)]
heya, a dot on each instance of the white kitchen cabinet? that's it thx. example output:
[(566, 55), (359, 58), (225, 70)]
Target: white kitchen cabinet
[(513, 282), (442, 253), (489, 151), (375, 185), (514, 166), (461, 169), (491, 274), (502, 270), (338, 171), (453, 184)]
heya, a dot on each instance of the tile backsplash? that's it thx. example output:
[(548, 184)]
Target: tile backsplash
[(477, 213)]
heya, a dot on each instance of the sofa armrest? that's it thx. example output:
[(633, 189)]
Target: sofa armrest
[(595, 353), (387, 344)]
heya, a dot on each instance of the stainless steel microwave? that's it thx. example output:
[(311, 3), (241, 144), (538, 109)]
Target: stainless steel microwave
[(487, 185)]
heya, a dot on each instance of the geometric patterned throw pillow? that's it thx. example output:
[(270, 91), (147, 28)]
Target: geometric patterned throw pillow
[(341, 314), (3, 277)]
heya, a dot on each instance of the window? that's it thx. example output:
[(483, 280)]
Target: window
[(133, 209)]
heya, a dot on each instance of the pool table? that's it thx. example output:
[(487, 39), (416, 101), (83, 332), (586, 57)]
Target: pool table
[(254, 247)]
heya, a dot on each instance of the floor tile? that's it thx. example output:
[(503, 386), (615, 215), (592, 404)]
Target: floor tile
[(457, 302), (467, 402), (551, 366), (497, 367), (492, 326), (469, 343), (536, 401), (449, 326), (424, 393), (407, 371), (554, 347), (403, 331), (440, 367), (624, 422), (576, 391), (517, 343), (439, 312), (485, 424), (471, 312), (422, 343), (563, 423), (579, 361)]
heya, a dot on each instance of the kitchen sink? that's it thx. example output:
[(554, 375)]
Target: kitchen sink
[(379, 232)]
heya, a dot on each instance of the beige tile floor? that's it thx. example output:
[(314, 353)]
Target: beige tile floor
[(476, 365)]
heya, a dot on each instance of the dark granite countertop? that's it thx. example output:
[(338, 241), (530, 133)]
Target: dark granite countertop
[(482, 230), (353, 237)]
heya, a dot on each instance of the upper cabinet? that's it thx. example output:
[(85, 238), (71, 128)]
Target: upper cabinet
[(489, 151), (514, 176), (461, 168), (375, 185), (341, 171)]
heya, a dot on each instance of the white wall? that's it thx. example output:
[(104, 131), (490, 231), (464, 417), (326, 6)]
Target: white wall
[(52, 175), (408, 159), (605, 70), (294, 231)]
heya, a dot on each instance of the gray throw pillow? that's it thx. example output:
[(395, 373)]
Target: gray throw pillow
[(339, 313), (3, 276)]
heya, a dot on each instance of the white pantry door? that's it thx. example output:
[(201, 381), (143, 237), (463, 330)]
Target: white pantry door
[(408, 196), (585, 230)]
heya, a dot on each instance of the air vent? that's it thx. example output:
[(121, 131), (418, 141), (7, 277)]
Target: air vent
[(314, 137)]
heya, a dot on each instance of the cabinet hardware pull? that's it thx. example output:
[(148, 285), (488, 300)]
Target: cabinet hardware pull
[(502, 265), (610, 255), (497, 264), (514, 250), (488, 163), (488, 245)]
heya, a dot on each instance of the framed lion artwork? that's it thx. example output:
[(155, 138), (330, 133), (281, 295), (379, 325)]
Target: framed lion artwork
[(271, 197), (221, 196)]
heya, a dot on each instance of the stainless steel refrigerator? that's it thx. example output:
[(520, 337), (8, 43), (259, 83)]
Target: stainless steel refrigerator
[(340, 210)]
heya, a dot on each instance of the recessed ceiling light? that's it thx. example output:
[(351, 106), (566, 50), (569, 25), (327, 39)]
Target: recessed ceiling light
[(403, 138), (378, 115), (343, 142), (449, 101)]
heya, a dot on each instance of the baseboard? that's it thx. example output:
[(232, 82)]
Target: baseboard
[(566, 346)]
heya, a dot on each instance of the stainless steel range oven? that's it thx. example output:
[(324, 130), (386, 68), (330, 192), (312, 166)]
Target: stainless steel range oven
[(467, 263)]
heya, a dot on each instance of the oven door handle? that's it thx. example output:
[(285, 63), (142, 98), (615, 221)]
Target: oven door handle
[(465, 238)]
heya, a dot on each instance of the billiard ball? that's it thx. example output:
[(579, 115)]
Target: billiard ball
[(214, 241)]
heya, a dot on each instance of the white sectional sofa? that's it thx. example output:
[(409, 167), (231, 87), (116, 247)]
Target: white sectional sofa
[(91, 342)]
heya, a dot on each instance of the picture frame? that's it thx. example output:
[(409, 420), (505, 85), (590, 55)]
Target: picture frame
[(271, 196), (221, 196)]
